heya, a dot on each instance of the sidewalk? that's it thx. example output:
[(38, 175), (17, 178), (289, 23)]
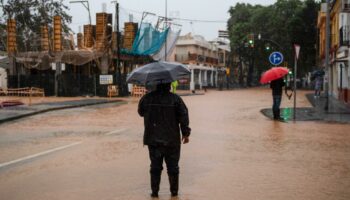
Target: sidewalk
[(16, 112), (337, 111), (46, 104)]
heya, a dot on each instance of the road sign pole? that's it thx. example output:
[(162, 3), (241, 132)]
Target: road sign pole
[(297, 50), (295, 88)]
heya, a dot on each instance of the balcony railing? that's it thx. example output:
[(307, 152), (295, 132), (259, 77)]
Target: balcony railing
[(196, 58), (344, 36)]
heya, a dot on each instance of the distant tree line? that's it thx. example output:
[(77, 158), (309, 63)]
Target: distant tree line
[(280, 25), (2, 37), (30, 15)]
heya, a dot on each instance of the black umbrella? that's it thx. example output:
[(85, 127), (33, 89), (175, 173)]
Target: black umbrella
[(158, 72), (316, 73)]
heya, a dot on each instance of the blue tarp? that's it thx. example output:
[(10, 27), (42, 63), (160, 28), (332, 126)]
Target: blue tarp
[(148, 40)]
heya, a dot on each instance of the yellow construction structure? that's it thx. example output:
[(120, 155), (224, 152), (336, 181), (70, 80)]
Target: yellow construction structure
[(57, 36), (11, 36)]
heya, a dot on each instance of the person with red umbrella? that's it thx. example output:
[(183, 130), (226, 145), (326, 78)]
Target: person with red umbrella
[(277, 88), (275, 77)]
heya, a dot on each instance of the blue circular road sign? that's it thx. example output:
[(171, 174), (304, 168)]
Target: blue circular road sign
[(276, 58)]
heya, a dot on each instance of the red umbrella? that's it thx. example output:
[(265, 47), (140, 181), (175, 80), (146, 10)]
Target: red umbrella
[(273, 74)]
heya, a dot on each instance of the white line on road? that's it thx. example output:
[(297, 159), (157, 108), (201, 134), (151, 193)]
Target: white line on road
[(53, 150), (38, 154), (116, 131)]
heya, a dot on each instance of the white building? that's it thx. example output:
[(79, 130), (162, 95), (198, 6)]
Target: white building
[(206, 60), (3, 73)]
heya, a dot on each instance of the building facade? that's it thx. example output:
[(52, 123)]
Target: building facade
[(338, 73), (206, 60)]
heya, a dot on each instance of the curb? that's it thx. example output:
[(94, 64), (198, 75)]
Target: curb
[(57, 108)]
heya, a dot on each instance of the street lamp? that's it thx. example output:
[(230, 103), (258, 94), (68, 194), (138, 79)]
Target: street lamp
[(87, 6), (270, 41)]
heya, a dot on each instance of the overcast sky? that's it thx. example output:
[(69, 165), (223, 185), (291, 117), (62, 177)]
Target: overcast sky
[(207, 10), (210, 10)]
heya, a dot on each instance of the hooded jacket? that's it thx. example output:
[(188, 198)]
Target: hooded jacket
[(164, 115)]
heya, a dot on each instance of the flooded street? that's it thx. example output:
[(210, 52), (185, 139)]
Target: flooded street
[(234, 152)]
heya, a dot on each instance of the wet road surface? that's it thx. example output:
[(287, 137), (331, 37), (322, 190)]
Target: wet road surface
[(235, 152)]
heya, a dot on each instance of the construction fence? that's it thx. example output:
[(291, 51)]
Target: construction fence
[(69, 84)]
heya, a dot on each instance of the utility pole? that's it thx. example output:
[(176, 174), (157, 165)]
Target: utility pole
[(118, 72), (326, 107), (166, 23), (297, 50)]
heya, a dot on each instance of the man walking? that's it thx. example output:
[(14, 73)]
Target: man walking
[(164, 115), (277, 88)]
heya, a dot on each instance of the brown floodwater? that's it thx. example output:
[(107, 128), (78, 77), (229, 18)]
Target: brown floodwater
[(235, 152)]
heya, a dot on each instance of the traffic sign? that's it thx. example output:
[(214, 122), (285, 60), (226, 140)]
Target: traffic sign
[(297, 50), (276, 58)]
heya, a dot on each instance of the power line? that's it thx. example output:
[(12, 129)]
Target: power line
[(182, 19), (198, 20)]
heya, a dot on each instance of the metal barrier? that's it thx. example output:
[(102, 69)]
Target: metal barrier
[(21, 92), (112, 90), (138, 91)]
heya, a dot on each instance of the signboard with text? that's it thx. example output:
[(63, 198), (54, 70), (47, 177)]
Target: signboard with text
[(106, 79)]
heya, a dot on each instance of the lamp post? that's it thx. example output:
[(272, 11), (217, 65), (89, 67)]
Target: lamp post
[(87, 6), (271, 41)]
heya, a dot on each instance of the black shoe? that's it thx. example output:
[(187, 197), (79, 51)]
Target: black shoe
[(174, 194), (279, 119), (154, 195)]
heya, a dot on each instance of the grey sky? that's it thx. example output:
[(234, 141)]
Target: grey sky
[(211, 10), (189, 9)]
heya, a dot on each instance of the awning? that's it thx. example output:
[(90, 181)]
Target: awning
[(77, 57)]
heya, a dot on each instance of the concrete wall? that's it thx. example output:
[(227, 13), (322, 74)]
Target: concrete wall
[(3, 78)]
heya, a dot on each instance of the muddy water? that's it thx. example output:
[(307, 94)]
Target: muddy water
[(234, 153), (256, 158)]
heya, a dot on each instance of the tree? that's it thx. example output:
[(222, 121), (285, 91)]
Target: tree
[(307, 36), (239, 26), (280, 25), (30, 15), (2, 37)]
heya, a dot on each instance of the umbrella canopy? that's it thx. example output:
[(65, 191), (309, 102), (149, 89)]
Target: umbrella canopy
[(273, 74), (317, 72), (158, 72)]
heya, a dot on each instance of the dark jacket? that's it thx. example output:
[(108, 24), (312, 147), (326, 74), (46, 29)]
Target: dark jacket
[(164, 114), (277, 87)]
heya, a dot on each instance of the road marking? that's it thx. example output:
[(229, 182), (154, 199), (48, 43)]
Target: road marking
[(116, 131), (53, 150), (38, 154)]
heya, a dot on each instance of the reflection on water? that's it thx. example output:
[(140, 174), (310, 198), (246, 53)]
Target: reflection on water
[(275, 136), (287, 113)]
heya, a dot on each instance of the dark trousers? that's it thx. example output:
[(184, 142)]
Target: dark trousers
[(171, 156), (276, 105)]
